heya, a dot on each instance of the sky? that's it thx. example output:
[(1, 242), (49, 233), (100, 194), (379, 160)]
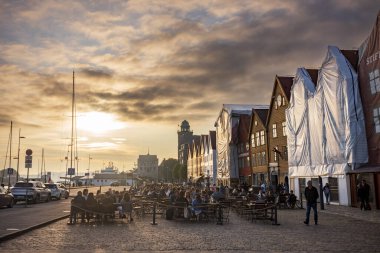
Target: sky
[(142, 67)]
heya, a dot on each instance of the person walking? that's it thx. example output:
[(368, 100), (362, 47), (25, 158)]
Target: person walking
[(326, 191), (363, 193), (311, 194)]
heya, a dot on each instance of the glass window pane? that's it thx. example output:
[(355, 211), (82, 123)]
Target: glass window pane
[(376, 73), (377, 80), (371, 75), (375, 112), (373, 88), (378, 129)]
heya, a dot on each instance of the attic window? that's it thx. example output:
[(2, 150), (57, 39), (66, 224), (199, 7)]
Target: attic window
[(255, 122), (283, 101)]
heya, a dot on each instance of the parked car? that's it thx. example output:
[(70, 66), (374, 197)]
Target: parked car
[(115, 184), (34, 191), (65, 192), (55, 191), (6, 198)]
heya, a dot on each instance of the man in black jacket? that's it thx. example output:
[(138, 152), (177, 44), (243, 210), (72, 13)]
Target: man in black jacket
[(311, 194)]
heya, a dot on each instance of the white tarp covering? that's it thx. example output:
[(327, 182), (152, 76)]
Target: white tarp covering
[(325, 123), (227, 158)]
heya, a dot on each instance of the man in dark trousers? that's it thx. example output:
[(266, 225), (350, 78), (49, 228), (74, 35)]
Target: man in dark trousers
[(311, 194)]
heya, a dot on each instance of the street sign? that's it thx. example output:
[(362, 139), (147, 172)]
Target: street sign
[(10, 171), (29, 152), (28, 161), (71, 171)]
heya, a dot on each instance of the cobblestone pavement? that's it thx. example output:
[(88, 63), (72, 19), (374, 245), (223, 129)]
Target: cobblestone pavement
[(341, 229)]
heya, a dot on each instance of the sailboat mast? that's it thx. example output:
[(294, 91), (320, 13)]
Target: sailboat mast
[(10, 147), (72, 123)]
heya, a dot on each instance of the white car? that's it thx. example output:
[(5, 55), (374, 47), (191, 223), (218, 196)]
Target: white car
[(57, 191)]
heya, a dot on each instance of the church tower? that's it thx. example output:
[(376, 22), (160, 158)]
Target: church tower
[(185, 137)]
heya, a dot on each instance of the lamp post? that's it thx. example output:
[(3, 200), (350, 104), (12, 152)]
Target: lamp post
[(18, 151)]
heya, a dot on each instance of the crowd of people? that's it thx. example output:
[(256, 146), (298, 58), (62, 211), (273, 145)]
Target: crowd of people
[(87, 205)]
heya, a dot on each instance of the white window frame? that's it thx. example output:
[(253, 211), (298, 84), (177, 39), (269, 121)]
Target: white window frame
[(257, 139), (284, 128), (274, 130), (376, 119), (262, 137), (374, 81)]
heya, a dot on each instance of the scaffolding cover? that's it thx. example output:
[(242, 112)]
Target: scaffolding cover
[(325, 123)]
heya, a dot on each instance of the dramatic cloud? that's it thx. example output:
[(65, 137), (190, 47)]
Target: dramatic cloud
[(153, 63)]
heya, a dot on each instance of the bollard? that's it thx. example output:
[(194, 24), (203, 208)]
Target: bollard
[(154, 214), (275, 216)]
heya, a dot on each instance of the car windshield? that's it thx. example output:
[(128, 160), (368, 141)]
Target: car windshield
[(23, 184), (51, 186)]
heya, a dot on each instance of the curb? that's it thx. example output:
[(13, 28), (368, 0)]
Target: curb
[(23, 231)]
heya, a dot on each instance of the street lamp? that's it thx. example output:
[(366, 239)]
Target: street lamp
[(18, 152)]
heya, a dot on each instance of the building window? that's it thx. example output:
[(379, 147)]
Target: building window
[(284, 128), (253, 160), (275, 105), (285, 153), (257, 138), (262, 137), (264, 159), (283, 101), (274, 130), (374, 81), (255, 122), (253, 143), (376, 119)]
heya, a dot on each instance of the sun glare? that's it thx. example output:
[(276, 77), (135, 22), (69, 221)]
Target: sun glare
[(98, 122)]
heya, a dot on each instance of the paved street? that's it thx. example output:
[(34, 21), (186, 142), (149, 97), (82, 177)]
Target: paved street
[(341, 229)]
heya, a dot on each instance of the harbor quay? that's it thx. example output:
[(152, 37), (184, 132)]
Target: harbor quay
[(340, 229)]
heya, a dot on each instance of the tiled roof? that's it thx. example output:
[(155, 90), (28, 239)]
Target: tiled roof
[(314, 75), (352, 56), (286, 82), (262, 114)]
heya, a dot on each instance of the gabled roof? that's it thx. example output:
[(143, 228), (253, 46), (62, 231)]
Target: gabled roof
[(314, 75), (285, 83), (261, 115), (352, 56)]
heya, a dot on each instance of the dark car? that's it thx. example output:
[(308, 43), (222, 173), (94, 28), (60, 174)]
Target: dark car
[(6, 198)]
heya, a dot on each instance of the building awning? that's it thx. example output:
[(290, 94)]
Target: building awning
[(366, 169)]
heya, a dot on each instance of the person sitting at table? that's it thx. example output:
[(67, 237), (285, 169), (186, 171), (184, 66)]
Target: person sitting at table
[(91, 205), (261, 195), (107, 205), (77, 203), (126, 207), (195, 206), (218, 195)]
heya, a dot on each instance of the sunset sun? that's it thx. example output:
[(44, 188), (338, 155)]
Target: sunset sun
[(98, 122)]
